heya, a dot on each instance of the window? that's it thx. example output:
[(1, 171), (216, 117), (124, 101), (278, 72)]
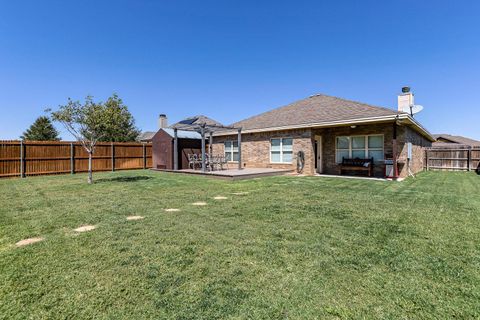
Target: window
[(231, 150), (281, 150), (360, 147)]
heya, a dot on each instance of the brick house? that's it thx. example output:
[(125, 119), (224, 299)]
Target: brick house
[(327, 129)]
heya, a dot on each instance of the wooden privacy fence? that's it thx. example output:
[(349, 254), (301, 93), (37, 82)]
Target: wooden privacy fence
[(26, 158), (452, 158)]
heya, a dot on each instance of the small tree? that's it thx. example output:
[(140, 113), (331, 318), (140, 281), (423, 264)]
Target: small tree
[(84, 122), (41, 130)]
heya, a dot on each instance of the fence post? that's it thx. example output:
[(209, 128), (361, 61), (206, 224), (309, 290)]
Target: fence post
[(427, 160), (144, 156), (469, 159), (113, 157), (72, 158), (22, 159)]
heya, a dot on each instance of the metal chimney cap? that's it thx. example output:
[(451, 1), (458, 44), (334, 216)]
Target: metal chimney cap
[(162, 115), (405, 89)]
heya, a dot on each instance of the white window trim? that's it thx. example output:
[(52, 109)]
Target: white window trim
[(350, 147), (281, 151), (231, 152)]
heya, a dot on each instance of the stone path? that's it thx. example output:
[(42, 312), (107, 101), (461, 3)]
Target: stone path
[(26, 242), (130, 218), (85, 228)]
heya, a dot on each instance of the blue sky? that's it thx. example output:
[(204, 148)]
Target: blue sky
[(233, 59)]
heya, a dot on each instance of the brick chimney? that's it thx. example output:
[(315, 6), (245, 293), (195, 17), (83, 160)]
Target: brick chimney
[(162, 121), (405, 100)]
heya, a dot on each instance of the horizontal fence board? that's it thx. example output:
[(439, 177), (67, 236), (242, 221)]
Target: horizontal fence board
[(453, 158), (57, 157)]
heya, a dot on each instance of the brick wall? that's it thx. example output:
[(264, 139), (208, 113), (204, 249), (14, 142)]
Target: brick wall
[(329, 144), (256, 148), (419, 143)]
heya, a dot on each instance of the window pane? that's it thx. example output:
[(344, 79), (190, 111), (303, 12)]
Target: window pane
[(275, 144), (275, 156), (228, 146), (375, 141), (287, 144), (235, 156), (358, 142), (377, 154), (343, 142), (228, 156), (358, 154), (342, 153), (235, 147), (287, 156)]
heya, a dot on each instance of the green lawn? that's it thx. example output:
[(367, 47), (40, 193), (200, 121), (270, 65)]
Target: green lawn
[(292, 248)]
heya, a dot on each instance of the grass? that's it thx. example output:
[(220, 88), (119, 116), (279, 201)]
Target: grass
[(292, 248)]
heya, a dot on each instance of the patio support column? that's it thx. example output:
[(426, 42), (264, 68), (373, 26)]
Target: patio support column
[(175, 149), (210, 142), (203, 148), (240, 149)]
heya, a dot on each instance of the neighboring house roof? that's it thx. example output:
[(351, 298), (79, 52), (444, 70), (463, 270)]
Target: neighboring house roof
[(196, 121), (444, 138), (146, 136), (323, 111)]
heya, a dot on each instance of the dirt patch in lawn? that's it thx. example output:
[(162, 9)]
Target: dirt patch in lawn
[(85, 228), (200, 203), (240, 193), (26, 242), (172, 210), (220, 198)]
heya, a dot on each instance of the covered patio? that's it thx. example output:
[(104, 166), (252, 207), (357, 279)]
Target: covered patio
[(205, 127)]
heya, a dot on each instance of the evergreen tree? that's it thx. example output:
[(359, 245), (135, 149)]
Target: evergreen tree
[(41, 130), (118, 124)]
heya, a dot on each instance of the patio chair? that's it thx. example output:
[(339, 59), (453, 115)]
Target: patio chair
[(193, 160)]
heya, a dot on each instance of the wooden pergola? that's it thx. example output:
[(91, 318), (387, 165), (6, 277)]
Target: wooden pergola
[(205, 126)]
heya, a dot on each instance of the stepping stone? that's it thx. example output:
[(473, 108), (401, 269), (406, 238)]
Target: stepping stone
[(84, 228), (172, 210), (220, 198), (240, 193), (199, 203), (26, 242), (129, 218)]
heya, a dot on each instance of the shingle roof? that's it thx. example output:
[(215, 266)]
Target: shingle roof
[(454, 139), (315, 109), (146, 136)]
